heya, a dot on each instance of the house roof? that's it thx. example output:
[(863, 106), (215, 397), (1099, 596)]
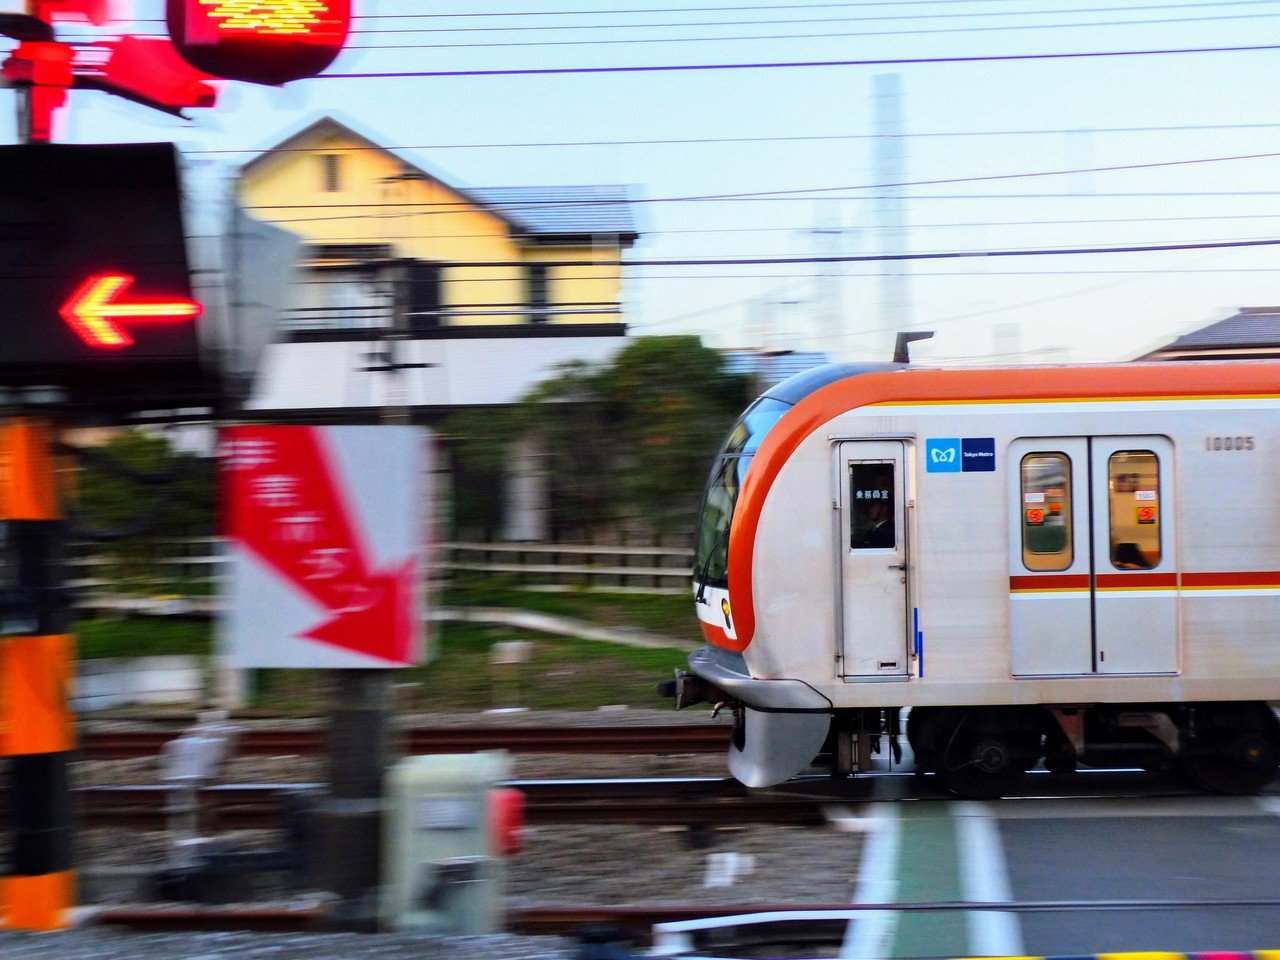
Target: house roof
[(1250, 327), (536, 212), (561, 211)]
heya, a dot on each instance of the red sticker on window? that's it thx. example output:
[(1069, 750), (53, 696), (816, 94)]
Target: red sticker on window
[(1035, 518), (1146, 514)]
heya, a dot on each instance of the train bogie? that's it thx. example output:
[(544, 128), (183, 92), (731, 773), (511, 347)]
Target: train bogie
[(1056, 566)]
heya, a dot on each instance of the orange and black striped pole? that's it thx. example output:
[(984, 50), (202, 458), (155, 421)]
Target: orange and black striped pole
[(35, 670)]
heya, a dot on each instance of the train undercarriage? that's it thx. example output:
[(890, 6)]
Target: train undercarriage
[(981, 752), (984, 752)]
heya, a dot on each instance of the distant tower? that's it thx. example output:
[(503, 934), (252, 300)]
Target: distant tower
[(827, 299), (891, 203)]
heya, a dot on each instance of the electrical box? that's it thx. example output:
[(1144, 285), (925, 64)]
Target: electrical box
[(442, 872)]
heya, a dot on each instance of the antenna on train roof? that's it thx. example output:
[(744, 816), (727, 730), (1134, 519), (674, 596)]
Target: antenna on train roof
[(902, 349)]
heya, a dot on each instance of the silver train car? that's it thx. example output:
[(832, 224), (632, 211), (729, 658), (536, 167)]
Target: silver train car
[(1063, 565)]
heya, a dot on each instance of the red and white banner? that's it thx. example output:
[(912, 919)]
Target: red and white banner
[(326, 530)]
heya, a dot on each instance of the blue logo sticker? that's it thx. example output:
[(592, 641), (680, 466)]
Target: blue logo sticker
[(978, 454), (942, 455)]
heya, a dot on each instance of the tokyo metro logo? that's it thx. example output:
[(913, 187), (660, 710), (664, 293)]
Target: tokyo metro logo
[(942, 455), (960, 455)]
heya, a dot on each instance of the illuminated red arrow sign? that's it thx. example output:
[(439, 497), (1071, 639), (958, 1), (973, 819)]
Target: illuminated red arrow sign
[(97, 315)]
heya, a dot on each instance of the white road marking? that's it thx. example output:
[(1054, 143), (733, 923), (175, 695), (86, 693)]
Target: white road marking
[(1269, 805), (869, 936), (984, 879)]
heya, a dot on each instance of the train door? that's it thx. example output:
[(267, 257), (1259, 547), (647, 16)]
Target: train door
[(1092, 560), (873, 558), (1050, 598), (1135, 561)]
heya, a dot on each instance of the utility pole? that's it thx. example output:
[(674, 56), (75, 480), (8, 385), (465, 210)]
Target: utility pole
[(361, 746), (23, 95)]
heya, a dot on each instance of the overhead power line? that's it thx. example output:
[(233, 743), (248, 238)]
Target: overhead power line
[(873, 258), (508, 14), (802, 192), (825, 35), (808, 21), (800, 138), (792, 64), (806, 228)]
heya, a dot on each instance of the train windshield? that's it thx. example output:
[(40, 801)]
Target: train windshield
[(711, 565)]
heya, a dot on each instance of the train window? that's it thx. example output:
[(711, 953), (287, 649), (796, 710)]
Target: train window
[(871, 496), (1046, 511), (1133, 481), (711, 562)]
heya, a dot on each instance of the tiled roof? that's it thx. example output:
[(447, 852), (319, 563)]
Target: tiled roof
[(1251, 327), (562, 211)]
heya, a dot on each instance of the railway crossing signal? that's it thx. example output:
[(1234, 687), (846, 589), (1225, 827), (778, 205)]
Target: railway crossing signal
[(104, 318), (267, 41)]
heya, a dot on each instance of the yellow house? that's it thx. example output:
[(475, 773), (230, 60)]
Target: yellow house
[(393, 245), (417, 295)]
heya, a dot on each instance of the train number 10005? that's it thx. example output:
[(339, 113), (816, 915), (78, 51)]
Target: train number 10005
[(1228, 443)]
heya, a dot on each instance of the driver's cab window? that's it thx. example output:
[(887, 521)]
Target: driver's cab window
[(873, 507)]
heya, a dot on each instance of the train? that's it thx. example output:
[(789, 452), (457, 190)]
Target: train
[(1057, 567)]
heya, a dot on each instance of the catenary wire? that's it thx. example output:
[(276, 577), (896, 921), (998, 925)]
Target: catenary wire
[(826, 35), (793, 64), (922, 135), (771, 37), (641, 10), (809, 228), (874, 257), (809, 192), (806, 21)]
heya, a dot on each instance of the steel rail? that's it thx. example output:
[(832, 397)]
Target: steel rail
[(665, 739), (675, 802)]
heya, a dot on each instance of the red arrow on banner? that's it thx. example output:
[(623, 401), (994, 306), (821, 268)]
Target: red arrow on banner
[(289, 510), (94, 309)]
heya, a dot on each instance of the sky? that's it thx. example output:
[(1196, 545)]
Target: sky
[(814, 129)]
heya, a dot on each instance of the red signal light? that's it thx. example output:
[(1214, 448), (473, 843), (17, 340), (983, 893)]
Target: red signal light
[(262, 41), (97, 316)]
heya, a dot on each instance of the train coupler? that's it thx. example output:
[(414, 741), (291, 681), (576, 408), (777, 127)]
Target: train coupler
[(686, 689)]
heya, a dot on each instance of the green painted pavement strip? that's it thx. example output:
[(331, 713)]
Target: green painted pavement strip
[(928, 871)]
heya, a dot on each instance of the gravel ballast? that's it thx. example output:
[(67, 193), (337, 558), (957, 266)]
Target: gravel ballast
[(99, 944), (560, 866)]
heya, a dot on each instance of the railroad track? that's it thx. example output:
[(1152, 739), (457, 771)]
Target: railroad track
[(656, 802), (639, 919), (675, 738), (529, 921)]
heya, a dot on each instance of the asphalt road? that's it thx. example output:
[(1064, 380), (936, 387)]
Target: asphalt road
[(1080, 874)]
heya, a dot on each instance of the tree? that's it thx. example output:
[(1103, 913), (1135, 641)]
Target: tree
[(675, 403), (629, 441), (179, 509)]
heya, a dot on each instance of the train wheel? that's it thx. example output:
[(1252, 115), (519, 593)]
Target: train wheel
[(1239, 755), (979, 757)]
